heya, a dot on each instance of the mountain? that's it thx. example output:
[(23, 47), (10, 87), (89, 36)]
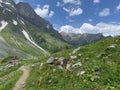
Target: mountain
[(24, 34), (81, 39), (91, 67)]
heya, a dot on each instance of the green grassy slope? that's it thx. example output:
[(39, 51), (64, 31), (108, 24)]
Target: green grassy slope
[(101, 66), (18, 45), (46, 40)]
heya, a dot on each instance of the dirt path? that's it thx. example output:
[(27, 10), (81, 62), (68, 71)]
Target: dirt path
[(20, 83)]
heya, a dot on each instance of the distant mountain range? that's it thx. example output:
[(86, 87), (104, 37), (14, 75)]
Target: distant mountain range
[(81, 39)]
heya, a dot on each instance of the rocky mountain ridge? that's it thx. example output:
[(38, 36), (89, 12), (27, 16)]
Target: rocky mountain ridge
[(81, 39)]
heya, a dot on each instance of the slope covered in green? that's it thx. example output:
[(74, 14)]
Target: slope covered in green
[(38, 37), (98, 69), (19, 46)]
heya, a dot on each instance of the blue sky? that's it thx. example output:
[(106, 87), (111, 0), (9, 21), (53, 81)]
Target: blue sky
[(80, 16)]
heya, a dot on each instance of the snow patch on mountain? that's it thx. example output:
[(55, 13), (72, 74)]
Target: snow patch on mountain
[(28, 38), (7, 3), (3, 25), (8, 10), (15, 22), (1, 1), (1, 5)]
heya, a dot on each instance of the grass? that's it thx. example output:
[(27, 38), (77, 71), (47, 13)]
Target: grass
[(21, 47), (10, 82), (5, 72), (95, 59)]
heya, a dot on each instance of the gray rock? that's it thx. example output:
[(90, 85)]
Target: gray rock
[(116, 40), (80, 73), (73, 57), (68, 67), (60, 67), (113, 46), (50, 60), (33, 65), (61, 60), (77, 64), (79, 55)]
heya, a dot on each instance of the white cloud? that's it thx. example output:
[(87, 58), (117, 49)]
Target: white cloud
[(96, 1), (73, 11), (76, 2), (70, 29), (51, 13), (118, 7), (66, 9), (58, 4), (44, 12), (17, 1), (105, 28), (105, 12)]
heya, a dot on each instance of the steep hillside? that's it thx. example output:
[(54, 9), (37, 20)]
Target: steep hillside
[(26, 35), (91, 67)]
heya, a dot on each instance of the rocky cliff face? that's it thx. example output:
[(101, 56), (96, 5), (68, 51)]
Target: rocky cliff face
[(28, 13)]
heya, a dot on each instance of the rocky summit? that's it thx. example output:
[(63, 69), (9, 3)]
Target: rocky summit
[(81, 39)]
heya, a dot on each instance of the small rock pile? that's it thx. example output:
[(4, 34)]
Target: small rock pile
[(70, 64), (8, 66), (63, 63)]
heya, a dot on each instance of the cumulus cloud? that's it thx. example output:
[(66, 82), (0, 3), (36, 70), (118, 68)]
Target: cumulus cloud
[(105, 12), (118, 7), (58, 4), (105, 28), (44, 12), (96, 1), (73, 11), (76, 2)]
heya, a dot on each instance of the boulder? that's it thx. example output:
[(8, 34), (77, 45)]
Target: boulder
[(79, 55), (77, 64), (61, 60), (68, 67), (80, 73), (73, 57), (33, 65), (60, 67), (51, 60), (113, 46)]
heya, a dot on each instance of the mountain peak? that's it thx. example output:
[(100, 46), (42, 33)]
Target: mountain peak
[(25, 10)]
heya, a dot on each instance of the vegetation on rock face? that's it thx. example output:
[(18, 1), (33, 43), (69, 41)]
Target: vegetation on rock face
[(99, 70)]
